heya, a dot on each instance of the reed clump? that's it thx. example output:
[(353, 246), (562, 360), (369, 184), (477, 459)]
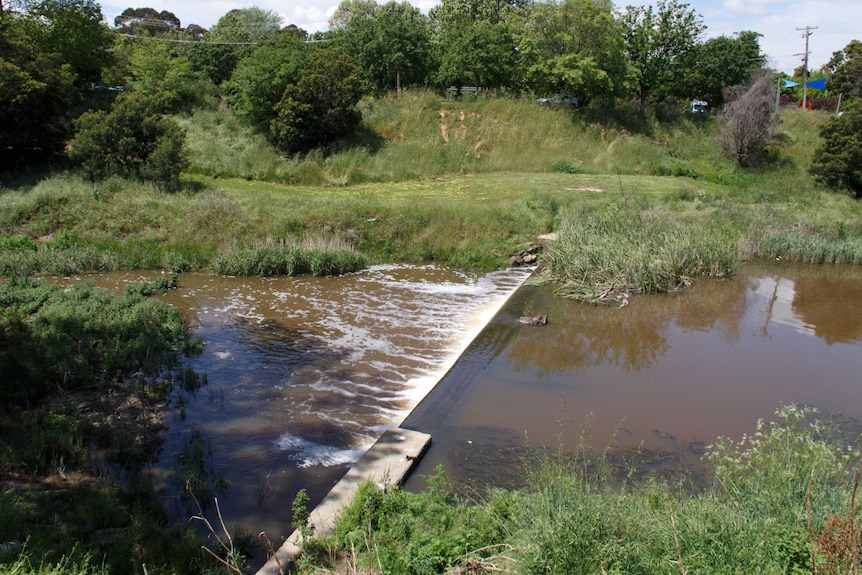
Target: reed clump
[(315, 256), (604, 255)]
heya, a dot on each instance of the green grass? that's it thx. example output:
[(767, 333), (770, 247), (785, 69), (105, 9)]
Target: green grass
[(607, 254), (85, 373), (775, 495), (642, 200), (399, 191)]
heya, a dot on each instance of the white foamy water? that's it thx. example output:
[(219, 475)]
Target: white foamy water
[(319, 367)]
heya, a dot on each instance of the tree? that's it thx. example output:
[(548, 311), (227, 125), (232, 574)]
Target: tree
[(574, 47), (258, 82), (74, 29), (46, 49), (156, 70), (846, 70), (748, 123), (838, 160), (391, 42), (246, 25), (657, 43), (719, 63), (475, 43), (321, 105), (133, 140), (231, 40), (147, 22)]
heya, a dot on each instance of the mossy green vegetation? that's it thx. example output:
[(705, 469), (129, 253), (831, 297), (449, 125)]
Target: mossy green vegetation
[(772, 507)]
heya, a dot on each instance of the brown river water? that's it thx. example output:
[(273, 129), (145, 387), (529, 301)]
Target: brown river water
[(304, 373)]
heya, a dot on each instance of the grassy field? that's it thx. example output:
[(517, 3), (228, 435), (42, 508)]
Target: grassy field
[(641, 201), (461, 183)]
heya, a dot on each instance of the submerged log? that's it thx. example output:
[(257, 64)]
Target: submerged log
[(534, 320)]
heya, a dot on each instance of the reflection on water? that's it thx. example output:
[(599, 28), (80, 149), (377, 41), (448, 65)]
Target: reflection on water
[(666, 374)]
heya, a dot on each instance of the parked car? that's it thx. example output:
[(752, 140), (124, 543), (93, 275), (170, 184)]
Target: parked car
[(698, 106), (558, 100)]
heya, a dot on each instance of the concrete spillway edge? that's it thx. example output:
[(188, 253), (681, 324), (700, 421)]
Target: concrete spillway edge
[(389, 461)]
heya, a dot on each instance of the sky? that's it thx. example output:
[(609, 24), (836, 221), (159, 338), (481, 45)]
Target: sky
[(833, 23)]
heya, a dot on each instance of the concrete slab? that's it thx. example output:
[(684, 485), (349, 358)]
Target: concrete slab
[(388, 462)]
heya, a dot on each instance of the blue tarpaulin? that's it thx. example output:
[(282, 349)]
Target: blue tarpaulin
[(818, 84)]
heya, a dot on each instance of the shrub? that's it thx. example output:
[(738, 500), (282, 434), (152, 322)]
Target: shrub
[(321, 106), (838, 161), (748, 123), (133, 140)]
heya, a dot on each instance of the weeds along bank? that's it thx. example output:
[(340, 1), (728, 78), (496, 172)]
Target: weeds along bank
[(645, 199), (465, 183), (86, 375), (783, 500)]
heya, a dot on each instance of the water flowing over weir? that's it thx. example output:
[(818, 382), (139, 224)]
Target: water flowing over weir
[(305, 373)]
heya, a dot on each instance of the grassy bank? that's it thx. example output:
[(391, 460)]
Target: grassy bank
[(781, 501), (642, 201), (461, 183), (87, 378)]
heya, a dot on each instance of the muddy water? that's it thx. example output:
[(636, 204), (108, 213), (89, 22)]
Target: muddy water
[(303, 374), (665, 375)]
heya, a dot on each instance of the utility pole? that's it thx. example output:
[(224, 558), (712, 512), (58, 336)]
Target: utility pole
[(808, 30)]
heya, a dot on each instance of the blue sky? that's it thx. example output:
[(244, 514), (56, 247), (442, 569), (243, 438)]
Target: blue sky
[(837, 22)]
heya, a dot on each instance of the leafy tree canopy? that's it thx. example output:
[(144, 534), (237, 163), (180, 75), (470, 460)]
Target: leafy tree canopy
[(49, 50), (232, 39), (157, 70), (574, 47), (147, 21), (258, 82), (475, 43), (657, 42), (246, 25), (718, 63), (845, 66), (73, 29), (132, 140), (321, 105), (391, 42)]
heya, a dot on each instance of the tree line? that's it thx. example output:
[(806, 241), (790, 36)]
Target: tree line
[(64, 71)]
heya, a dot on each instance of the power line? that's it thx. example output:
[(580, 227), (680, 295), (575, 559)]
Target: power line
[(181, 41)]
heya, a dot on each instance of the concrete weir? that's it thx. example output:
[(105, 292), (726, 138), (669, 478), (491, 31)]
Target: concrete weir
[(389, 461)]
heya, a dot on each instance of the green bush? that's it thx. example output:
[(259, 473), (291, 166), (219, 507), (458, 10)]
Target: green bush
[(321, 106), (838, 160), (132, 140), (81, 337)]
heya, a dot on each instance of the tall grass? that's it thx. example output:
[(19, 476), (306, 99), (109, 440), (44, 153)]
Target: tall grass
[(776, 494), (315, 256), (419, 134), (603, 255)]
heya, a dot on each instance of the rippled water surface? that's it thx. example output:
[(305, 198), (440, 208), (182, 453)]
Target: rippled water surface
[(305, 373)]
